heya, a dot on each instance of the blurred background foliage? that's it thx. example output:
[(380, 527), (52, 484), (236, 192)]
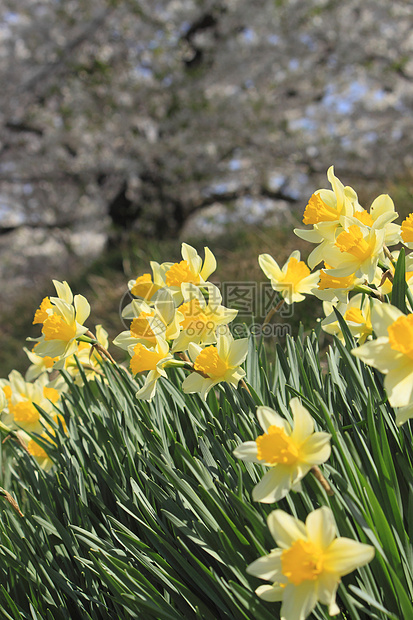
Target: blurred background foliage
[(130, 126)]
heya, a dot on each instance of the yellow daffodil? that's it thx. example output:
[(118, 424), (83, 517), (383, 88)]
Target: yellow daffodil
[(215, 364), (38, 453), (190, 269), (151, 359), (381, 216), (332, 289), (391, 353), (324, 210), (144, 286), (308, 563), (22, 398), (356, 250), (356, 313), (150, 322), (200, 319), (290, 452), (385, 286), (62, 318), (39, 365), (406, 231), (293, 281)]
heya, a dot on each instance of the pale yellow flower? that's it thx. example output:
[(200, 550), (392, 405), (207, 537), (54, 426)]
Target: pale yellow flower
[(308, 563), (62, 318), (39, 364), (392, 352), (22, 398), (150, 322), (325, 209), (290, 452), (216, 364), (191, 269), (331, 288), (356, 250), (200, 318), (152, 359), (381, 216), (144, 286), (356, 313), (293, 281), (407, 231)]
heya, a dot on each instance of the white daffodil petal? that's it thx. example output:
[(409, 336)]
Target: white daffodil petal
[(247, 451), (285, 529), (303, 422), (377, 353), (238, 352), (272, 594), (299, 601), (399, 386), (269, 266), (268, 417), (321, 527), (345, 555), (267, 567), (403, 414), (273, 486), (209, 266), (193, 383), (327, 589), (82, 308), (316, 449)]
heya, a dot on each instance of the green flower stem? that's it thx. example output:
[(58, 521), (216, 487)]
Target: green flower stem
[(362, 288), (383, 265), (87, 339)]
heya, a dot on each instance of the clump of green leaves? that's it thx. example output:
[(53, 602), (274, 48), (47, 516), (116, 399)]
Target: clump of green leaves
[(147, 513)]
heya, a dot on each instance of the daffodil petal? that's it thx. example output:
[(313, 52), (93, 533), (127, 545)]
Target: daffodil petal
[(270, 267), (316, 449), (327, 589), (267, 567), (237, 352), (210, 264), (299, 601), (273, 486), (399, 385), (321, 527), (193, 383), (82, 308), (303, 422), (285, 529), (272, 594), (268, 417), (345, 555), (247, 451)]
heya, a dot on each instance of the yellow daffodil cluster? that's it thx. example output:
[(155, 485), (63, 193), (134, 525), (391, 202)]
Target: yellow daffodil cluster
[(310, 560), (178, 320), (356, 279), (21, 409), (65, 344)]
